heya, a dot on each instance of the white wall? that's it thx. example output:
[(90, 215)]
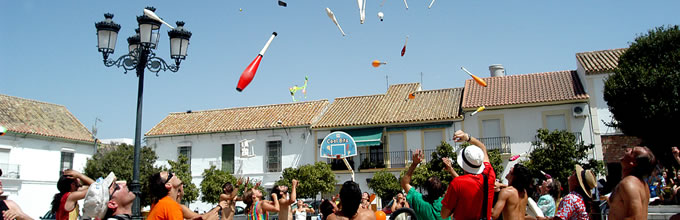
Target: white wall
[(39, 162), (521, 124), (296, 144)]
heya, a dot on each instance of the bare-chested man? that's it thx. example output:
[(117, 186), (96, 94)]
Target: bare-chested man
[(285, 200), (631, 196), (350, 201), (512, 200)]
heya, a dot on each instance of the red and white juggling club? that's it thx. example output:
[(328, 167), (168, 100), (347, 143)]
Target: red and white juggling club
[(249, 73)]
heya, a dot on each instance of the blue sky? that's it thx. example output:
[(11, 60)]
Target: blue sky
[(48, 49)]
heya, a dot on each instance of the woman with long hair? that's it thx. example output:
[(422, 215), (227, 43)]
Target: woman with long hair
[(256, 207), (65, 203)]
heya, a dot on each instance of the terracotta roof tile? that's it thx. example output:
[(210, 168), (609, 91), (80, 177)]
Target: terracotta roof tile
[(27, 116), (240, 119), (524, 89), (393, 107), (603, 61)]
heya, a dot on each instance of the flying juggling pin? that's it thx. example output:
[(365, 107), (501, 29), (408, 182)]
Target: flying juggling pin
[(153, 15), (381, 15), (481, 108), (3, 131), (479, 81), (332, 16), (513, 158), (250, 71), (377, 63), (431, 4), (403, 50), (406, 4), (362, 10)]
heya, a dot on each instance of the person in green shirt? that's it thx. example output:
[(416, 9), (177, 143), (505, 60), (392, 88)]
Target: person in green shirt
[(430, 205)]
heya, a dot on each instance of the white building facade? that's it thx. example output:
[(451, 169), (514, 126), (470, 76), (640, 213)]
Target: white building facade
[(42, 140), (279, 137)]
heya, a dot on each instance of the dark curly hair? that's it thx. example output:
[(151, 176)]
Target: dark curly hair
[(521, 178), (350, 198), (435, 189), (157, 187)]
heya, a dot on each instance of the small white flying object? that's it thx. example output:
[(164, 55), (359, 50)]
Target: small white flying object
[(406, 4), (362, 10), (381, 15), (431, 4), (153, 15), (332, 16)]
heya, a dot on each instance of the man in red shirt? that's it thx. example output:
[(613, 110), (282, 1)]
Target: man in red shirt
[(465, 194)]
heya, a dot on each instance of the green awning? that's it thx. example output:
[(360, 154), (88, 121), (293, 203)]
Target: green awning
[(366, 137)]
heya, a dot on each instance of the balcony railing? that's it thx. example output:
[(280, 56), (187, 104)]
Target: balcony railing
[(10, 170), (502, 144), (378, 160)]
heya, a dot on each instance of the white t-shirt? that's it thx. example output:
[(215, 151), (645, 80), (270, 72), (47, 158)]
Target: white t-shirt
[(300, 215)]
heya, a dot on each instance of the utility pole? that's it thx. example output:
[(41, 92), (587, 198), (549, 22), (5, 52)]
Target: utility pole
[(94, 133)]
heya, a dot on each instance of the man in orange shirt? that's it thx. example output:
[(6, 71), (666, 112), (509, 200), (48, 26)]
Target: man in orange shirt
[(165, 187)]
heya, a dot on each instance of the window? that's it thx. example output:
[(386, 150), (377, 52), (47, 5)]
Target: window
[(66, 161), (273, 156), (432, 139), (228, 158), (491, 128), (186, 151), (555, 122), (397, 155)]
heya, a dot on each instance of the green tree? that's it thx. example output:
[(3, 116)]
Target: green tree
[(556, 153), (119, 159), (435, 166), (213, 179), (211, 186), (644, 91), (313, 179), (182, 169), (385, 185)]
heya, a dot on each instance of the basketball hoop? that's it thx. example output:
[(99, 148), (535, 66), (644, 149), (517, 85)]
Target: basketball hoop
[(339, 145)]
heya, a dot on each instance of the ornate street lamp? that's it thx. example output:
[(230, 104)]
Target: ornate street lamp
[(140, 56)]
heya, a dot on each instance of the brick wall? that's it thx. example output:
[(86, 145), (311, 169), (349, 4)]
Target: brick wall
[(612, 146)]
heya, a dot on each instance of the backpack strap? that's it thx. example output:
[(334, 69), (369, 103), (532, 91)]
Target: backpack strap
[(485, 194)]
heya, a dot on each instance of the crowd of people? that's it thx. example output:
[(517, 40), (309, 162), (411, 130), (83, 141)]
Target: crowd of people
[(476, 194)]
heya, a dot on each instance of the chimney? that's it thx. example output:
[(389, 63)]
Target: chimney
[(497, 70)]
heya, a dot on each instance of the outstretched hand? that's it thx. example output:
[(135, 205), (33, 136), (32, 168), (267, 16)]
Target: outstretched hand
[(295, 183), (418, 156), (447, 162)]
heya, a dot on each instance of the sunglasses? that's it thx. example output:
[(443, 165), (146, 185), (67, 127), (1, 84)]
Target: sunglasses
[(114, 190), (170, 175)]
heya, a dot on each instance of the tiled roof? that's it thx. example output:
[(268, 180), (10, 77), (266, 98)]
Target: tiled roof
[(394, 107), (524, 89), (240, 119), (603, 61), (27, 116)]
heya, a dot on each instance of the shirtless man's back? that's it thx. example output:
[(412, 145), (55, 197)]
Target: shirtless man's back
[(362, 214), (629, 199), (512, 202)]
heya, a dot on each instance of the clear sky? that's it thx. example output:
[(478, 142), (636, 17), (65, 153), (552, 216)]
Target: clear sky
[(48, 49)]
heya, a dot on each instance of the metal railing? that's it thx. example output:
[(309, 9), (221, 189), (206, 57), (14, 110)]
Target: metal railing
[(377, 160), (502, 144), (10, 170)]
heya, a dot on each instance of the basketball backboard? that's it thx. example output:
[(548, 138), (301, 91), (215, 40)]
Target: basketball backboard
[(338, 145)]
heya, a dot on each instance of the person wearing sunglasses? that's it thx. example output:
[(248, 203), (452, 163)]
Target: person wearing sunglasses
[(119, 206), (165, 189), (72, 186)]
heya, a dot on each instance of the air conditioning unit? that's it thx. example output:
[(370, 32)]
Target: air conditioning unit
[(580, 110)]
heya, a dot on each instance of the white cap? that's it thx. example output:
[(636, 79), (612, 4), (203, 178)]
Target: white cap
[(97, 196)]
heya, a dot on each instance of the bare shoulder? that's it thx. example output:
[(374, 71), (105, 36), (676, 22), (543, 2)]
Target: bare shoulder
[(366, 215), (507, 192), (631, 183)]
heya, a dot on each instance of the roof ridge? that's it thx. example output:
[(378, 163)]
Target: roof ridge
[(32, 100), (347, 97), (435, 90), (246, 107), (529, 74), (599, 51)]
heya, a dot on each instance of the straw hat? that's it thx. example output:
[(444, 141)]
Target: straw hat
[(471, 159), (586, 179)]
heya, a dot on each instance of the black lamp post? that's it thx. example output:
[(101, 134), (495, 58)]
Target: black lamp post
[(139, 57)]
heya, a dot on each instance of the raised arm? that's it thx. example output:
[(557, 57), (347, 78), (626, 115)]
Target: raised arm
[(449, 168), (406, 179), (293, 194), (461, 136), (274, 206), (81, 192)]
